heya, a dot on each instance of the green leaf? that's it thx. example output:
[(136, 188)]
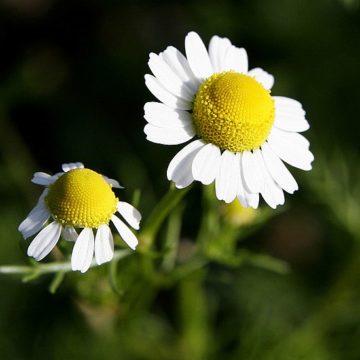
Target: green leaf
[(56, 282), (113, 278)]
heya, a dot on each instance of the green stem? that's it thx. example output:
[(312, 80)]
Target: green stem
[(159, 214), (194, 317), (172, 238), (266, 262), (40, 269)]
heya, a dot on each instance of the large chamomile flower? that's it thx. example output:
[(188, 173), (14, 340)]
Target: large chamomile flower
[(78, 198), (243, 133)]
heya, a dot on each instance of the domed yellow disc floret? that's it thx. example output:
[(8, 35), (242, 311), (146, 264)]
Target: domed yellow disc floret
[(233, 111), (81, 198)]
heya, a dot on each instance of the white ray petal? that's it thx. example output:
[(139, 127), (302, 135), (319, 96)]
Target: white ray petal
[(43, 195), (206, 164), (251, 171), (177, 61), (242, 200), (289, 116), (288, 105), (217, 52), (72, 166), (83, 251), (160, 115), (69, 233), (291, 123), (41, 178), (261, 76), (180, 167), (35, 220), (168, 79), (44, 241), (104, 245), (278, 170), (57, 175), (114, 183), (125, 233), (130, 214), (295, 139), (241, 192), (197, 56), (169, 136), (248, 199), (228, 177), (236, 59), (245, 197), (285, 101), (164, 95), (252, 199), (291, 148), (271, 192)]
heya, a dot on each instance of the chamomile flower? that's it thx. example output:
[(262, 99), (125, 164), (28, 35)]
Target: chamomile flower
[(243, 133), (78, 198)]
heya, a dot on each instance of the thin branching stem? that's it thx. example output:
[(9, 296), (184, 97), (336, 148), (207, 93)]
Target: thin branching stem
[(52, 267)]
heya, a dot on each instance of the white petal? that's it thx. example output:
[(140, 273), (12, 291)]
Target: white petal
[(69, 233), (289, 122), (129, 213), (164, 95), (168, 79), (245, 197), (278, 170), (83, 251), (35, 220), (241, 192), (114, 183), (292, 148), (252, 174), (43, 195), (285, 101), (72, 166), (228, 177), (197, 56), (290, 117), (236, 59), (169, 136), (125, 233), (78, 165), (288, 104), (295, 139), (248, 199), (178, 63), (261, 76), (252, 200), (206, 164), (242, 200), (57, 175), (271, 192), (45, 241), (217, 52), (41, 178), (180, 167), (104, 245), (160, 115)]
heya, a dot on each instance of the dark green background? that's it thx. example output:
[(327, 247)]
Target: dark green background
[(72, 89)]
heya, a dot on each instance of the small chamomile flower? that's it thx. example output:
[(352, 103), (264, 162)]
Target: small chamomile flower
[(243, 133), (78, 198)]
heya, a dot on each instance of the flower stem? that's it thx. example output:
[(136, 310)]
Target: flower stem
[(172, 238), (159, 214), (40, 269)]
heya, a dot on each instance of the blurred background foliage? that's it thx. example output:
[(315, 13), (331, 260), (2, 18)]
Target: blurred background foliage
[(238, 284)]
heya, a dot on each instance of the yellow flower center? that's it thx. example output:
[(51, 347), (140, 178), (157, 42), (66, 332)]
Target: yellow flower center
[(81, 198), (233, 111)]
